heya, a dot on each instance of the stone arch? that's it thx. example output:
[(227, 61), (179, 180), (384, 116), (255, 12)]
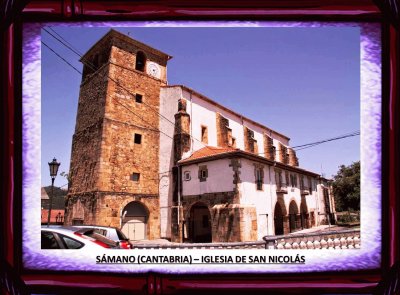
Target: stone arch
[(279, 218), (293, 216), (134, 220), (140, 61), (198, 221), (304, 215)]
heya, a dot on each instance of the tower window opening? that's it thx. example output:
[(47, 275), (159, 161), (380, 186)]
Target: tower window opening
[(140, 61), (135, 176), (138, 138), (138, 98)]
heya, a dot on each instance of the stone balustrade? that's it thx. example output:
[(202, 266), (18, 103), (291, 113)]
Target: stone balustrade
[(348, 239), (238, 245)]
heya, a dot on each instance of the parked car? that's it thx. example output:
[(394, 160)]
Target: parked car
[(73, 238), (111, 233)]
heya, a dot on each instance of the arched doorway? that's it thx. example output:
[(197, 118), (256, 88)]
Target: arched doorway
[(304, 215), (278, 219), (134, 221), (200, 224), (293, 220)]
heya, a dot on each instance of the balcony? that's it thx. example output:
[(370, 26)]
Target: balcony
[(304, 191), (281, 188)]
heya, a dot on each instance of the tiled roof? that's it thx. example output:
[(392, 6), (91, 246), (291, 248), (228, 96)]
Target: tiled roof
[(43, 194), (211, 153), (208, 151)]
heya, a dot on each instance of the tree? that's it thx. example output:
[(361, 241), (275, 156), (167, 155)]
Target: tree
[(346, 187)]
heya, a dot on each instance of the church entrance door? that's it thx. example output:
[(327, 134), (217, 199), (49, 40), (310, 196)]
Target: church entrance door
[(134, 221), (200, 224)]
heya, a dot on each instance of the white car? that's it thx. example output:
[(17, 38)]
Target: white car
[(73, 238)]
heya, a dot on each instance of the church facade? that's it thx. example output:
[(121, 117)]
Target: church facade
[(164, 161)]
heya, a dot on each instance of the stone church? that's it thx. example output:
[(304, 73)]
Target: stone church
[(165, 161)]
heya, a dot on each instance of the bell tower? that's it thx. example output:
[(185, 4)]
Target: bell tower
[(114, 171)]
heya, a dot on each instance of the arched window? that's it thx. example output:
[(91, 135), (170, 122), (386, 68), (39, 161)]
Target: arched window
[(140, 61)]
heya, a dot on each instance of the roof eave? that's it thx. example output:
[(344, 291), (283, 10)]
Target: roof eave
[(249, 156)]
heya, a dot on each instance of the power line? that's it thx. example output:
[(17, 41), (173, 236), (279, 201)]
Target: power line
[(76, 51), (61, 58), (58, 39), (308, 145)]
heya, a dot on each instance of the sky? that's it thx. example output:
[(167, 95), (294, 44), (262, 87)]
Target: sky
[(301, 82)]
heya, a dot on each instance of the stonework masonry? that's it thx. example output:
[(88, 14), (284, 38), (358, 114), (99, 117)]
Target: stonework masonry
[(102, 208), (269, 150), (116, 142), (182, 131), (250, 144), (283, 154), (230, 222), (223, 131), (293, 160)]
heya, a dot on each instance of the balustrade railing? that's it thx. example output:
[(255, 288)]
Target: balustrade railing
[(347, 239)]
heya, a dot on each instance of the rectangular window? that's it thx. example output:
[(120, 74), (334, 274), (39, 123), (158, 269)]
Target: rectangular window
[(293, 179), (138, 138), (280, 180), (138, 98), (204, 134), (203, 173), (135, 176), (186, 175), (259, 179)]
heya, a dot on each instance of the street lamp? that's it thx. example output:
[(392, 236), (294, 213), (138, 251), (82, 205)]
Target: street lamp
[(53, 165)]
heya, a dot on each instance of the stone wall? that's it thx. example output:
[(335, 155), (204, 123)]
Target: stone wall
[(105, 209), (115, 151), (293, 160), (269, 149), (224, 133), (86, 141), (182, 141), (250, 144), (234, 223), (124, 117), (283, 154), (230, 222)]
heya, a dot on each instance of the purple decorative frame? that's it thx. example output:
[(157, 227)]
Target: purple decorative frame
[(11, 234)]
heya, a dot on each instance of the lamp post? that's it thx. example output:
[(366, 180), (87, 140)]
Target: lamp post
[(53, 165)]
